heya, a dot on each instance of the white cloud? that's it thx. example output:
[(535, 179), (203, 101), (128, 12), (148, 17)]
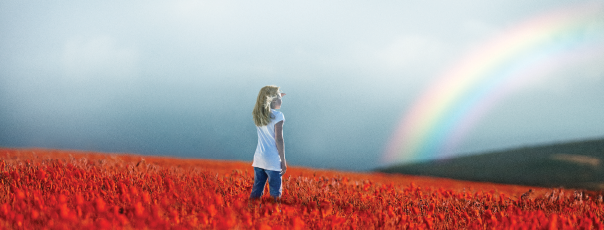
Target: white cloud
[(478, 30), (193, 10), (411, 50), (403, 53), (98, 58)]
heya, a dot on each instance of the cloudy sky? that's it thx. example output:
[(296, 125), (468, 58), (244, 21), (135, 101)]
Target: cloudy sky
[(180, 78)]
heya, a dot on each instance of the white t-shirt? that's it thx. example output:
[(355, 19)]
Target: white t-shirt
[(267, 156)]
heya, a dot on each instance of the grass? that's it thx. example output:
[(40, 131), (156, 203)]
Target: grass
[(570, 165)]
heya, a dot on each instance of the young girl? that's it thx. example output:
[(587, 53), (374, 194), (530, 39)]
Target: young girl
[(269, 159)]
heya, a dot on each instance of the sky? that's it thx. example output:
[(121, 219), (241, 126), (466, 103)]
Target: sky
[(180, 78)]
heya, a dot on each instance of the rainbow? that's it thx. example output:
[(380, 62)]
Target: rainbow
[(529, 52)]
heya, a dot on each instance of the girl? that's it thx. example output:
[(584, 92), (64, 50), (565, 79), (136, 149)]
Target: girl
[(269, 158)]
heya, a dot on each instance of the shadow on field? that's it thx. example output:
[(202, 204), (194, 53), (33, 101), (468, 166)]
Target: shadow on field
[(569, 165)]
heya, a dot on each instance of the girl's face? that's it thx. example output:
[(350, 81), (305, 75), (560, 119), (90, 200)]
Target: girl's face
[(276, 104)]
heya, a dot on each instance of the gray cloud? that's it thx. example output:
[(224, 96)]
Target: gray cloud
[(180, 77)]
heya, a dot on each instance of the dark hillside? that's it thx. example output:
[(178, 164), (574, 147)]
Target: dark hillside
[(571, 165)]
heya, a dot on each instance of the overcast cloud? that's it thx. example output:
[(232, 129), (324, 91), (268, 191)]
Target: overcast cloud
[(180, 78)]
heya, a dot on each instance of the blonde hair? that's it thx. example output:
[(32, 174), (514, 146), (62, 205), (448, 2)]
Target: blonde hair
[(262, 109)]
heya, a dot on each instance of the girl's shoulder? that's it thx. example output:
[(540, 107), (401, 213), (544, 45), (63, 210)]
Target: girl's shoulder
[(278, 115)]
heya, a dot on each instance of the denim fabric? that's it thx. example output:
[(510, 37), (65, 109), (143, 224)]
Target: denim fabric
[(274, 183)]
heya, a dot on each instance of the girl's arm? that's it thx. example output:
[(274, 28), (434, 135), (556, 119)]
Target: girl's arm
[(280, 145)]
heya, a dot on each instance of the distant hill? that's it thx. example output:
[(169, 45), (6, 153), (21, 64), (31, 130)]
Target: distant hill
[(571, 165)]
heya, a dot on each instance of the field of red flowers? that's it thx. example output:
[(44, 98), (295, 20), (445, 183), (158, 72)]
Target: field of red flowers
[(53, 189)]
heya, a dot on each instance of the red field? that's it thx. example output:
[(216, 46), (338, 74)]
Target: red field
[(81, 190)]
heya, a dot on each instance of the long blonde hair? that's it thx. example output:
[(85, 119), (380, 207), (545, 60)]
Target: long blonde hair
[(262, 109)]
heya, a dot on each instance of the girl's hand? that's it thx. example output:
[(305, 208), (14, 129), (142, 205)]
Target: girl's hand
[(283, 167)]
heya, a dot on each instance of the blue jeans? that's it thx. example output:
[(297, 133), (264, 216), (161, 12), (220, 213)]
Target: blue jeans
[(274, 183)]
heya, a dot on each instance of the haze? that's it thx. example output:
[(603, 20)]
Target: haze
[(180, 78)]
